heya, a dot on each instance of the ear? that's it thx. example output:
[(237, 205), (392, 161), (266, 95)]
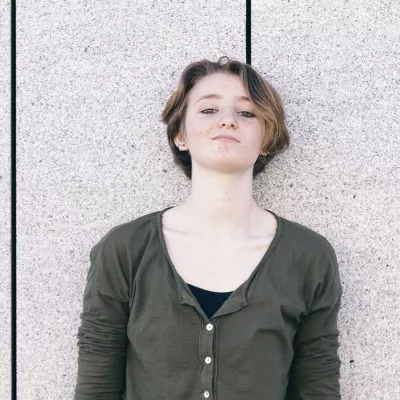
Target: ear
[(177, 139), (263, 152)]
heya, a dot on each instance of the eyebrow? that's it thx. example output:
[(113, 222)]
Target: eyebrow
[(216, 96)]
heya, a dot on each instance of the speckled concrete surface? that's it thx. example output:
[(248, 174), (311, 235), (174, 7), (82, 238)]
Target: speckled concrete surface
[(5, 197), (337, 66), (93, 153)]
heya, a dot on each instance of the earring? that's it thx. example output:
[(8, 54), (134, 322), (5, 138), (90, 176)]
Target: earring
[(180, 146)]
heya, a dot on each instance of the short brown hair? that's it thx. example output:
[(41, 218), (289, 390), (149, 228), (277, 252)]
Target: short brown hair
[(261, 93)]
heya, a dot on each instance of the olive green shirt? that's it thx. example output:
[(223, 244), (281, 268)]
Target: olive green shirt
[(144, 336)]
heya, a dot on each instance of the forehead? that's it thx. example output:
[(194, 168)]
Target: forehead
[(216, 96), (219, 86)]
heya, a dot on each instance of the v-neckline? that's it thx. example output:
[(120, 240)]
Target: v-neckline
[(243, 286)]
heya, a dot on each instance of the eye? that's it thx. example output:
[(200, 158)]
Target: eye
[(249, 113), (208, 109)]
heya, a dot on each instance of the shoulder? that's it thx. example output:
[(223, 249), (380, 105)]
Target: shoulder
[(136, 228), (313, 260), (127, 239), (305, 240), (117, 251), (311, 254)]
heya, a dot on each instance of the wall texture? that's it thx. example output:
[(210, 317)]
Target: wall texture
[(337, 66), (5, 192), (93, 153)]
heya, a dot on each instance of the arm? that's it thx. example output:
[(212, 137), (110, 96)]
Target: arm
[(315, 369), (102, 336)]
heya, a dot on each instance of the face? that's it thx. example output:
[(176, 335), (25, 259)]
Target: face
[(227, 114)]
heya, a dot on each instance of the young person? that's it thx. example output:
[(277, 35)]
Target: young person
[(214, 298)]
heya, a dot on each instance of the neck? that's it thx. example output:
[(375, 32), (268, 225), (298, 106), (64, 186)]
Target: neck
[(221, 209)]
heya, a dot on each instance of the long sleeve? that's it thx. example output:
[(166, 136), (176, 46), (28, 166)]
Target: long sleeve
[(315, 370), (102, 338)]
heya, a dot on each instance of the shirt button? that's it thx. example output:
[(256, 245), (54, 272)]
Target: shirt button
[(208, 360), (209, 327), (206, 394)]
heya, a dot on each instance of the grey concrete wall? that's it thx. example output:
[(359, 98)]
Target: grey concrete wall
[(5, 197), (92, 153)]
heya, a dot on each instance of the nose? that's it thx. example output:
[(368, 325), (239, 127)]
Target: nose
[(228, 120)]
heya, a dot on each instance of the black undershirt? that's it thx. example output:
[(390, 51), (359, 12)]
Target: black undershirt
[(209, 301)]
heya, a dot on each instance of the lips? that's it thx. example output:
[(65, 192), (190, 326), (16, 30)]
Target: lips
[(227, 137)]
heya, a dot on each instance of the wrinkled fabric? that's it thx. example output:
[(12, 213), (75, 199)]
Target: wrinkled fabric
[(144, 336)]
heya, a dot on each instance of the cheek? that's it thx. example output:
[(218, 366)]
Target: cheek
[(206, 133)]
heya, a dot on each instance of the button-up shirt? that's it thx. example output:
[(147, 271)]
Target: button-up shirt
[(144, 336)]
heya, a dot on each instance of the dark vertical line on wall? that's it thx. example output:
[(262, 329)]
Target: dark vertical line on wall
[(248, 32), (13, 185)]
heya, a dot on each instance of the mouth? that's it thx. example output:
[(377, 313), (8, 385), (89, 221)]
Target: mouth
[(226, 138)]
